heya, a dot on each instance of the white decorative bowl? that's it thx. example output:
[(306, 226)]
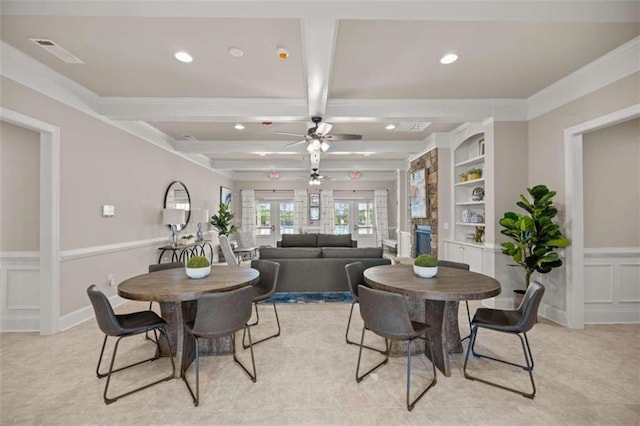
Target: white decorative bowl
[(425, 272), (198, 272)]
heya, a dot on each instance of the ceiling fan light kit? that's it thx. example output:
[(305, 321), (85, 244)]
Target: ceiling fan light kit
[(318, 135)]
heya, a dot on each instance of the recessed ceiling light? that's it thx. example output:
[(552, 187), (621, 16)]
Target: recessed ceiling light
[(235, 52), (390, 126), (449, 58), (239, 126), (183, 57), (282, 53)]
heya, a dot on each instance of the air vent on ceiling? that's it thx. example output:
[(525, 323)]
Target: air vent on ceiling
[(59, 52), (412, 126)]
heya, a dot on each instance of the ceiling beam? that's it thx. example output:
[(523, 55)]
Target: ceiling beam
[(298, 163), (318, 46), (286, 110), (255, 147)]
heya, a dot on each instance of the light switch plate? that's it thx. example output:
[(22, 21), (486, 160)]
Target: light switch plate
[(108, 211)]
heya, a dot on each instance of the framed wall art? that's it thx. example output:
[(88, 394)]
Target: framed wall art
[(418, 194), (314, 213), (225, 196), (314, 200)]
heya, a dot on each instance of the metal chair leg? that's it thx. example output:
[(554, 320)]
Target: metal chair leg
[(109, 400), (361, 345), (255, 304), (526, 349), (346, 334), (146, 333), (275, 310), (253, 376), (183, 371), (410, 405), (468, 336)]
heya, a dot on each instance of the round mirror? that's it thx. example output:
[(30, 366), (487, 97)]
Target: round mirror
[(177, 197)]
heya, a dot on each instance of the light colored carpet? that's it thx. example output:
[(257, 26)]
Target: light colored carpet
[(306, 376)]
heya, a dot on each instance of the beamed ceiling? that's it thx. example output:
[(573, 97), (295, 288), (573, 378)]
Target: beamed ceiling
[(360, 65)]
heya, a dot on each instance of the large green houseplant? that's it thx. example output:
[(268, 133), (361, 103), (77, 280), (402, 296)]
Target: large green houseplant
[(535, 236), (222, 221)]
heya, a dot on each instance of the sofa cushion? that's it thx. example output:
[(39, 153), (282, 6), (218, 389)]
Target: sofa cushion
[(330, 240), (299, 240), (342, 252), (290, 252)]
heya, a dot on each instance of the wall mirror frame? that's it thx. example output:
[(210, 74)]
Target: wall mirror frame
[(177, 197)]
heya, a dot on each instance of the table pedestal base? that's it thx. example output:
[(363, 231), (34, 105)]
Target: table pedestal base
[(443, 318), (175, 314)]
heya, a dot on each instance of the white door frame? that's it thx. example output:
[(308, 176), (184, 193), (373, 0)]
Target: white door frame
[(49, 216), (574, 202)]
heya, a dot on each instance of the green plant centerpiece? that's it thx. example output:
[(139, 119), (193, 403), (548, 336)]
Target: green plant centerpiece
[(222, 221), (425, 266), (198, 267), (535, 235), (475, 174)]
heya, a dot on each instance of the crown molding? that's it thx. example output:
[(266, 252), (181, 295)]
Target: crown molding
[(433, 10), (609, 68), (433, 110), (296, 164)]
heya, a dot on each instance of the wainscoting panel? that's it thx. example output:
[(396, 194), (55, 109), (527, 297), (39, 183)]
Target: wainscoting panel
[(19, 291), (612, 285), (630, 282)]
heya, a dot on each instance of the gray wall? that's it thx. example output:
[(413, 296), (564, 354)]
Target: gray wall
[(101, 164), (612, 186), (19, 188), (546, 151)]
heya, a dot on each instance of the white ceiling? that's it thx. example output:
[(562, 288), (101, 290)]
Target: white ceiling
[(361, 65)]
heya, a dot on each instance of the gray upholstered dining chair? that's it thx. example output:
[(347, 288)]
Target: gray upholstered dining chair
[(162, 267), (464, 267), (219, 315), (229, 255), (263, 290), (516, 322), (122, 326), (355, 277), (386, 314)]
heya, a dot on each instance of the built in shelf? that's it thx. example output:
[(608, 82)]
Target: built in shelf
[(469, 224), (470, 203), (471, 161), (470, 182)]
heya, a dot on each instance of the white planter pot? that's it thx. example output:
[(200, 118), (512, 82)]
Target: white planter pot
[(425, 272), (198, 272)]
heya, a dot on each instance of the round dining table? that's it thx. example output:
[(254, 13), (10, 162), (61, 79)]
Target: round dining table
[(177, 295), (441, 295)]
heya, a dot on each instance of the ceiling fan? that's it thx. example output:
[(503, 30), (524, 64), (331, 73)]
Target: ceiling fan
[(317, 136), (315, 178)]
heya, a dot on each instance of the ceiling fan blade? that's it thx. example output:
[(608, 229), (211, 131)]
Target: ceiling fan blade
[(295, 143), (342, 137), (291, 134), (323, 129)]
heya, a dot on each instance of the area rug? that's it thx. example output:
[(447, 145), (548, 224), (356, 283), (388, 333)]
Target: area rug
[(333, 296)]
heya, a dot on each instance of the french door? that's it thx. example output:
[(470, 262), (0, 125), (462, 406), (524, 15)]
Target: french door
[(274, 218), (355, 217)]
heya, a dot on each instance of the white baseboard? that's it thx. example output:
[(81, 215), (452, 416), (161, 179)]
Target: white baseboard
[(553, 314), (608, 316), (22, 324), (85, 313)]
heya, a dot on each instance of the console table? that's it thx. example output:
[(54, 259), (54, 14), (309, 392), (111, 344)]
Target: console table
[(182, 252)]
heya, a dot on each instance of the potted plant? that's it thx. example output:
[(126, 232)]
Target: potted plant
[(475, 174), (535, 236), (463, 177), (425, 266), (188, 239), (198, 267), (222, 221)]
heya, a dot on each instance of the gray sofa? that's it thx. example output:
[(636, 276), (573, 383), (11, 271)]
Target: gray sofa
[(317, 240), (318, 269)]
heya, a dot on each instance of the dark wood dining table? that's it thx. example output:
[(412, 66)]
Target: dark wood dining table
[(177, 295), (441, 295)]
